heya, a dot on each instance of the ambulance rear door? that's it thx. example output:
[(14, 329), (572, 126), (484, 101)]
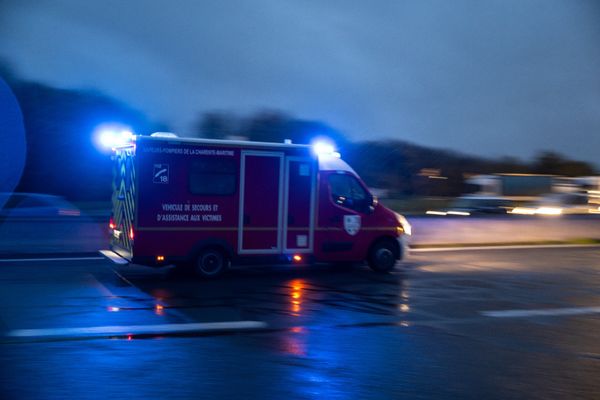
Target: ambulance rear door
[(123, 202)]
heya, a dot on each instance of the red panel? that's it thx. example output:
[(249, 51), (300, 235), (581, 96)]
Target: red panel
[(299, 203), (261, 202), (165, 206)]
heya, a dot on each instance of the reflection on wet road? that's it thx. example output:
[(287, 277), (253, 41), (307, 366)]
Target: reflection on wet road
[(429, 330)]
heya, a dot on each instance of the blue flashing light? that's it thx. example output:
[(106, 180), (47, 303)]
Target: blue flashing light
[(110, 136), (324, 148)]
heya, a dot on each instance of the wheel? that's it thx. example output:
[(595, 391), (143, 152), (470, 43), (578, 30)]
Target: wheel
[(211, 263), (382, 257)]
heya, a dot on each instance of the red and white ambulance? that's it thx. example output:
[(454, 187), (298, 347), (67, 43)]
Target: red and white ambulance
[(209, 203)]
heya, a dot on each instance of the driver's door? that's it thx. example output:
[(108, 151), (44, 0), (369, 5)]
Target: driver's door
[(343, 216)]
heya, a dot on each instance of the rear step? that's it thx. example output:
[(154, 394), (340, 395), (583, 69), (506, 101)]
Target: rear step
[(114, 257)]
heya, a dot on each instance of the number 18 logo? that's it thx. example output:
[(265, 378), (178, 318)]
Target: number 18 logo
[(160, 173)]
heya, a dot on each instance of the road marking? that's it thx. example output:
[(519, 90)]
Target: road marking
[(140, 329), (512, 247), (542, 312), (51, 259)]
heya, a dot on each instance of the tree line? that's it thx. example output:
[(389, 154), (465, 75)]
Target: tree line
[(62, 158), (400, 167)]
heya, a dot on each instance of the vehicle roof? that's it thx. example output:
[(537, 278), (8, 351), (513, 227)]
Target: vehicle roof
[(241, 143), (326, 162), (332, 163)]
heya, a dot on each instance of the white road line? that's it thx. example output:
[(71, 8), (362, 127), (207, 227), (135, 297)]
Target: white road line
[(139, 329), (51, 259), (542, 312), (512, 247)]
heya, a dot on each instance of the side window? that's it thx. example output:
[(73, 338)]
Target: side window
[(347, 192), (211, 176)]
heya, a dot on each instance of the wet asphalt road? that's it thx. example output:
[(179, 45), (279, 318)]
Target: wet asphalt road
[(421, 332)]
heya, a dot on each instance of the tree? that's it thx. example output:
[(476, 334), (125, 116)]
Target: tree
[(266, 126), (549, 162), (61, 154), (217, 125)]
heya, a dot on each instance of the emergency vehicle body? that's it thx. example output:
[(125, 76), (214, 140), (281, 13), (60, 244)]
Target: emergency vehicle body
[(211, 202)]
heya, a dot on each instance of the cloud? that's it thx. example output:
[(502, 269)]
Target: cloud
[(494, 77)]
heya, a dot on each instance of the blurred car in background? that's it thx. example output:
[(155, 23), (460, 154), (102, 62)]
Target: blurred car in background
[(559, 204), (476, 205), (35, 205)]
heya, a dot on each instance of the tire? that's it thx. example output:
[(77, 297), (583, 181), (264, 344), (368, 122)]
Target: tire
[(211, 263), (383, 256)]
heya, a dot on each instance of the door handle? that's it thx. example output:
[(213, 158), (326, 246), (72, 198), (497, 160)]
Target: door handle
[(290, 220), (335, 220), (246, 219)]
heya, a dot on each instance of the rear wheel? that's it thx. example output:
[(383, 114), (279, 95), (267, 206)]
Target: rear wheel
[(383, 255), (211, 263)]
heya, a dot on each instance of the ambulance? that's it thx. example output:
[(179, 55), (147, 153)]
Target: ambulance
[(206, 204)]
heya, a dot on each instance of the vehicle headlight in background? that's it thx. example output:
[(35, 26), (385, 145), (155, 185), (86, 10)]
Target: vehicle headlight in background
[(463, 213), (522, 211), (537, 211), (549, 211)]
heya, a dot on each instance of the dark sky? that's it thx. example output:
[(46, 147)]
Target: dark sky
[(505, 77)]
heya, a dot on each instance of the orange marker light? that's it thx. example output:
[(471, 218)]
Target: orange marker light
[(297, 257), (160, 258), (131, 233)]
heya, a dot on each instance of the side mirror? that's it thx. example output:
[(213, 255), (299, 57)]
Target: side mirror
[(372, 203)]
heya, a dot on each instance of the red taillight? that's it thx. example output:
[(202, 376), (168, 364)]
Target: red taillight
[(111, 224), (131, 233)]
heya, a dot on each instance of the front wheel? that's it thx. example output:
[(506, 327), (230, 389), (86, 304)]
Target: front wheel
[(382, 257), (211, 263)]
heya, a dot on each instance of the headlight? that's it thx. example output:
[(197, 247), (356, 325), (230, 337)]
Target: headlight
[(549, 211), (403, 222), (523, 211)]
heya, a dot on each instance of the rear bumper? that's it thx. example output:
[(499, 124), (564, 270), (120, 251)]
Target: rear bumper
[(121, 252), (114, 257)]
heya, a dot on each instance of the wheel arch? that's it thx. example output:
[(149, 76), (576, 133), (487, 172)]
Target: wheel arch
[(220, 244), (387, 239)]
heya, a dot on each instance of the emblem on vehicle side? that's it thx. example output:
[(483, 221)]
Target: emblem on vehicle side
[(352, 224), (160, 174)]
